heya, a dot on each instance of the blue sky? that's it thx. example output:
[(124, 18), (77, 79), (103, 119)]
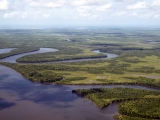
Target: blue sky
[(79, 12)]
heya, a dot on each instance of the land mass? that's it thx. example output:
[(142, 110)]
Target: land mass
[(137, 63)]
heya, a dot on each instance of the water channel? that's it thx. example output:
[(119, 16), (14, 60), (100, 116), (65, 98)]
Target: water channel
[(6, 50), (21, 99)]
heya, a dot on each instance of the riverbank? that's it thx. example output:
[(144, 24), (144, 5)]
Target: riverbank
[(46, 89), (132, 102)]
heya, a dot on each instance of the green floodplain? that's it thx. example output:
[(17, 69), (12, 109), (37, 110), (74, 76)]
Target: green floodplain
[(138, 62)]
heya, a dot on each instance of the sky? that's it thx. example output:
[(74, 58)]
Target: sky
[(79, 12)]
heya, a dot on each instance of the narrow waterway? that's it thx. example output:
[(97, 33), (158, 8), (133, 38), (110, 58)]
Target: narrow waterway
[(21, 99), (6, 50), (12, 59)]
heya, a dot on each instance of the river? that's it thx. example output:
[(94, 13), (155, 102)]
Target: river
[(12, 59), (21, 99), (6, 50)]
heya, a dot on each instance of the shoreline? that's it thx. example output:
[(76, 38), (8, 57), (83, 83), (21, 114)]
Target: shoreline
[(83, 84)]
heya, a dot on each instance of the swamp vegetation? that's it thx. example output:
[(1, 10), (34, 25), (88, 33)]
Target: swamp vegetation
[(137, 63), (134, 104)]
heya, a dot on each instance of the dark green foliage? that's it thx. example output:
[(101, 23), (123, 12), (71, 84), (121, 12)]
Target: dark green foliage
[(51, 57), (142, 81), (117, 68), (124, 117), (37, 74), (140, 53), (146, 108), (103, 97)]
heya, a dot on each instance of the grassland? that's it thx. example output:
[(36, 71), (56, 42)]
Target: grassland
[(137, 63), (115, 71)]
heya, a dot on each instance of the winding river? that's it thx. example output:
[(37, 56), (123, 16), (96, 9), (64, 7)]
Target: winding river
[(22, 99), (12, 59)]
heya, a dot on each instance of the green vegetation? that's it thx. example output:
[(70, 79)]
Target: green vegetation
[(137, 63), (93, 72), (63, 54), (103, 97), (146, 108), (136, 104), (124, 117)]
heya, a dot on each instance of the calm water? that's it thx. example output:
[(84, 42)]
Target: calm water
[(12, 59), (6, 50), (21, 99)]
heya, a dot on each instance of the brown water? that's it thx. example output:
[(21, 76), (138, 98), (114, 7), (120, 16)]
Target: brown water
[(23, 99)]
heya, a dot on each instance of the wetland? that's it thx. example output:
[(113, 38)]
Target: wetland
[(43, 67)]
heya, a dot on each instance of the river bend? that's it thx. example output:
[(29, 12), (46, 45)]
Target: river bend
[(23, 99)]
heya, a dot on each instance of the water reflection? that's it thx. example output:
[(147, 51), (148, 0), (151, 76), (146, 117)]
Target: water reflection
[(5, 104), (58, 101), (23, 99), (6, 50), (12, 59), (32, 101)]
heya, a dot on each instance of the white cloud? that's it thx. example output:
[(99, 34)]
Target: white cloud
[(156, 3), (10, 15), (84, 14), (85, 2), (95, 16), (143, 15), (46, 15), (157, 16), (35, 14), (43, 4), (35, 4), (83, 9), (121, 13), (25, 14), (103, 7), (79, 10), (134, 14), (139, 5), (4, 5)]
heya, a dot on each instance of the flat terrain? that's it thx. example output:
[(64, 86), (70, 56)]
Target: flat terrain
[(138, 62), (134, 103), (138, 53)]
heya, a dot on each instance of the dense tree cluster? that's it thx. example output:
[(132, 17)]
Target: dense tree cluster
[(145, 108), (103, 97)]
